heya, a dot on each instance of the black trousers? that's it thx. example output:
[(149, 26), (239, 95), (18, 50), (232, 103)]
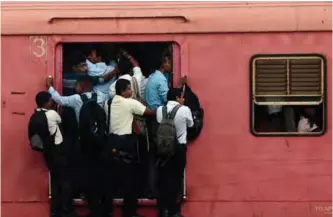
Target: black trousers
[(152, 126), (61, 183), (121, 173), (170, 181), (91, 176), (61, 195)]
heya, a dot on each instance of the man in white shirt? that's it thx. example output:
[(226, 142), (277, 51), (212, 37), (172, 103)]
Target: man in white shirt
[(122, 147), (56, 159), (171, 172)]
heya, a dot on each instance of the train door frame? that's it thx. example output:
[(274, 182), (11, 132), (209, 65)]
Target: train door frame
[(175, 76)]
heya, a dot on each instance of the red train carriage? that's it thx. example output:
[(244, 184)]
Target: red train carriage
[(241, 58)]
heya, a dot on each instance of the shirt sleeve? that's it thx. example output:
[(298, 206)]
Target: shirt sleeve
[(136, 107), (137, 74), (143, 88), (70, 101), (189, 117), (54, 116), (112, 89), (159, 114), (163, 91)]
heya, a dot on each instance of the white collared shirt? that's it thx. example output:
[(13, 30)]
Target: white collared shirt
[(183, 119), (100, 69), (137, 74), (53, 119), (122, 113)]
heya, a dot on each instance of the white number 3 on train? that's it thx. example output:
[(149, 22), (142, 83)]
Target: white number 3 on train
[(38, 46)]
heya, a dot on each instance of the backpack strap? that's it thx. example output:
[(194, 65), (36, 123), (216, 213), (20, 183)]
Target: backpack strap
[(84, 98), (94, 96), (109, 115), (164, 112), (174, 111)]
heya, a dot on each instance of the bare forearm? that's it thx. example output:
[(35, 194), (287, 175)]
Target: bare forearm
[(133, 61)]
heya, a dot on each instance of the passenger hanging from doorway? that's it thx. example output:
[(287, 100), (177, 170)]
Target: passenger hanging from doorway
[(97, 67), (45, 132), (84, 104), (155, 96), (191, 100), (121, 154), (130, 70), (307, 122), (174, 118)]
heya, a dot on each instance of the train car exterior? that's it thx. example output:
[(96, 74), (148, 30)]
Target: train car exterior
[(231, 170)]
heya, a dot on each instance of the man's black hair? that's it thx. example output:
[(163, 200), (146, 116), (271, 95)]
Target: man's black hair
[(173, 93), (124, 65), (77, 58), (42, 98), (159, 62), (85, 80), (100, 51), (121, 86)]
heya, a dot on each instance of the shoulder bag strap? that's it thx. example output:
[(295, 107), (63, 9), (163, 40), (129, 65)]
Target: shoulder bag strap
[(135, 88), (84, 98)]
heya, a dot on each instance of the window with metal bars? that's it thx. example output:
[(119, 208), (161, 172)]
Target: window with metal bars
[(283, 87)]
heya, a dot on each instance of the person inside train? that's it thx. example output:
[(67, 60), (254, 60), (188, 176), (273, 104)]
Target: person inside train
[(122, 146), (56, 158), (307, 120), (87, 102), (102, 76), (130, 70), (275, 118), (155, 96), (96, 66), (157, 84), (171, 164)]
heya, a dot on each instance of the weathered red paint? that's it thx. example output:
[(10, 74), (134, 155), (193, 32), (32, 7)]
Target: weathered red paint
[(230, 172)]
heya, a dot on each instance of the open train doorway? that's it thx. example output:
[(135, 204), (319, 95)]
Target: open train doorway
[(147, 54)]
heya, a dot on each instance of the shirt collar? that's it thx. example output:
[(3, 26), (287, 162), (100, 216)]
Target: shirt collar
[(41, 109), (118, 97)]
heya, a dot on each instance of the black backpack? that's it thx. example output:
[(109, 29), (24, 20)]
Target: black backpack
[(92, 124), (38, 132), (192, 101)]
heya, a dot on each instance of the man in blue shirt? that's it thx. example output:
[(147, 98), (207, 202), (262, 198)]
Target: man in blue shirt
[(83, 86), (157, 85), (156, 96)]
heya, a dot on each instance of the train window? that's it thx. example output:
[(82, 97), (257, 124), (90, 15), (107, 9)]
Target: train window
[(288, 95), (147, 55)]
